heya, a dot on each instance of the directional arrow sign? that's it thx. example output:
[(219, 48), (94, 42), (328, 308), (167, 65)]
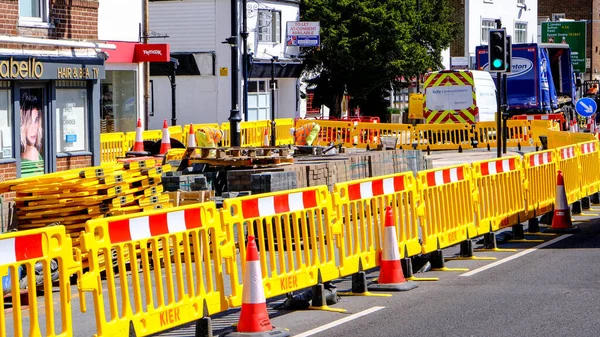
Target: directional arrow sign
[(585, 107)]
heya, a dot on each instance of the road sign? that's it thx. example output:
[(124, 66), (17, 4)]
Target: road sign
[(571, 32), (585, 107)]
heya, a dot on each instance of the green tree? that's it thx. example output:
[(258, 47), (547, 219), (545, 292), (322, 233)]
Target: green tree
[(367, 45)]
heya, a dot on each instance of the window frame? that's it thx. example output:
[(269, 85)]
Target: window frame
[(273, 27), (80, 85), (516, 40), (36, 21), (5, 86), (265, 92), (484, 37)]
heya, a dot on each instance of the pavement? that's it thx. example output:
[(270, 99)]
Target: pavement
[(449, 158)]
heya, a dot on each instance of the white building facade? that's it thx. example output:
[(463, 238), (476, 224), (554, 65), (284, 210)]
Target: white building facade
[(196, 30), (519, 17), (119, 22)]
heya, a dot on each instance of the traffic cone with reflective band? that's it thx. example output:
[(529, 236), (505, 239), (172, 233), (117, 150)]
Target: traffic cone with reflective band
[(266, 138), (165, 144), (138, 146), (254, 319), (191, 138), (391, 276), (561, 221)]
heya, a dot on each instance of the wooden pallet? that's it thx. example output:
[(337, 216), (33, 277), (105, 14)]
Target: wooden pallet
[(263, 156)]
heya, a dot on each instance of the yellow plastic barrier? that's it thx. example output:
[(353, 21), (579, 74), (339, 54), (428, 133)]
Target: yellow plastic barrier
[(447, 207), (589, 161), (443, 136), (176, 132), (558, 139), (294, 232), (500, 193), (21, 251), (372, 134), (282, 129), (568, 163), (360, 206), (539, 169), (166, 265), (112, 146), (333, 131), (519, 134), (581, 137), (540, 128), (256, 136), (247, 137)]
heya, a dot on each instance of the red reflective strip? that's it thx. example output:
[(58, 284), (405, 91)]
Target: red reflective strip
[(250, 208), (511, 164), (118, 231), (446, 175), (399, 183), (485, 170), (28, 247), (310, 199), (499, 166), (282, 204), (430, 178), (158, 224), (532, 160), (354, 192), (460, 174), (192, 218), (377, 186)]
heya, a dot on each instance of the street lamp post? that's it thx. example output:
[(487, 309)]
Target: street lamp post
[(273, 89), (234, 115), (245, 60)]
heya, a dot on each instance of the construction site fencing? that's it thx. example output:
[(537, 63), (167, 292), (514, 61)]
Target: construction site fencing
[(539, 171), (112, 146), (294, 233), (374, 134), (166, 267), (443, 136), (336, 132), (518, 134), (282, 131), (568, 163), (176, 132), (589, 161), (446, 207), (48, 252), (360, 207), (541, 128), (500, 193)]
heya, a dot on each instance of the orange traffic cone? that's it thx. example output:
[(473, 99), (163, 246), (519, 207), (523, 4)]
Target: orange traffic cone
[(391, 276), (191, 138), (165, 144), (254, 318), (138, 146), (561, 221), (266, 138)]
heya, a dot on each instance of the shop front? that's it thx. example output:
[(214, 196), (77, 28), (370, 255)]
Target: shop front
[(49, 118)]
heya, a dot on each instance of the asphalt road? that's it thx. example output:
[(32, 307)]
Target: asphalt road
[(552, 290)]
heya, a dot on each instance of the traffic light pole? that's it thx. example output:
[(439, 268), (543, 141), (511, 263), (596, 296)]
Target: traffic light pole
[(499, 115), (504, 114)]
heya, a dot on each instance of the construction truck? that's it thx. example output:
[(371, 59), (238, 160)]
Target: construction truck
[(541, 81)]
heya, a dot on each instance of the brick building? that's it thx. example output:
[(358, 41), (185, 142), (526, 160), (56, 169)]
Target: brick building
[(50, 72), (586, 10)]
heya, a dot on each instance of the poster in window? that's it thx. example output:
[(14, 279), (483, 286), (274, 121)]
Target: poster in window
[(32, 131)]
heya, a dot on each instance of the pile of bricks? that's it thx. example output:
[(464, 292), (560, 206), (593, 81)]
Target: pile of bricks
[(273, 182), (175, 181)]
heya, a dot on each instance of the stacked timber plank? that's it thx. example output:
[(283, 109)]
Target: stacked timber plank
[(71, 198)]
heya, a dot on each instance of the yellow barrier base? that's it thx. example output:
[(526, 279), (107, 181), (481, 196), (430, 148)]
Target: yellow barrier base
[(366, 293), (327, 308), (414, 278)]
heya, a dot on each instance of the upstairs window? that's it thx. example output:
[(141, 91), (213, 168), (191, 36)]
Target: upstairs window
[(269, 26), (520, 32), (33, 11), (486, 25)]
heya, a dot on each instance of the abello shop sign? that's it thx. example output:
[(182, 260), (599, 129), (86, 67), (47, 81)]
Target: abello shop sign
[(152, 53)]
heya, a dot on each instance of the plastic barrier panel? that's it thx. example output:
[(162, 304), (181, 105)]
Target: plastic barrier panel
[(338, 132), (568, 163), (282, 129), (246, 128), (45, 257), (558, 139), (446, 207), (540, 128), (519, 134), (443, 136), (360, 206), (166, 265), (294, 233), (539, 169), (500, 193), (176, 132), (590, 168), (112, 146), (373, 134)]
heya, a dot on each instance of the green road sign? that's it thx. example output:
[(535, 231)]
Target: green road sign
[(571, 32)]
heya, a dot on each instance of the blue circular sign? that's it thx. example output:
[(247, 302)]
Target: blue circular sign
[(586, 107)]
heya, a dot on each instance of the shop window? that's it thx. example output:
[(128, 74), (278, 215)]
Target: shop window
[(33, 11), (71, 116), (119, 101), (33, 121), (6, 121)]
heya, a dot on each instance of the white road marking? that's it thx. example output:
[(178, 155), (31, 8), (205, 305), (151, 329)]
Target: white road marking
[(339, 322), (516, 256)]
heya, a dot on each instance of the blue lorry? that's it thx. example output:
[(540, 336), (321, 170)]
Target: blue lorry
[(542, 80)]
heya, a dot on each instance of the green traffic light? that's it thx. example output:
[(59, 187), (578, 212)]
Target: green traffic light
[(497, 63)]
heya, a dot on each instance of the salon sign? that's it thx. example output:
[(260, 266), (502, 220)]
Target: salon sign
[(51, 68)]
